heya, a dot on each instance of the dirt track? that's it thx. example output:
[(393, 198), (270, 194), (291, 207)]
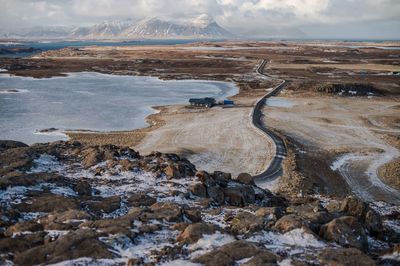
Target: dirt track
[(350, 130)]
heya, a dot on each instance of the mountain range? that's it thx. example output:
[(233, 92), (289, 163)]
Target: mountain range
[(153, 28)]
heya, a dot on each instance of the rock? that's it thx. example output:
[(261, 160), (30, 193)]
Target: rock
[(91, 157), (21, 242), (64, 220), (83, 188), (168, 211), (46, 202), (366, 215), (272, 212), (333, 206), (100, 205), (140, 199), (216, 194), (245, 178), (354, 207), (194, 232), (346, 231), (228, 254), (11, 144), (26, 226), (193, 215), (344, 257), (206, 179), (127, 165), (149, 228), (234, 196), (120, 225), (373, 221), (172, 172), (199, 190), (134, 262), (313, 213), (77, 244), (245, 222), (221, 178), (265, 258), (22, 179), (16, 159), (289, 222)]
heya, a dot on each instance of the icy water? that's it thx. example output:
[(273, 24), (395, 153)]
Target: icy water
[(90, 101)]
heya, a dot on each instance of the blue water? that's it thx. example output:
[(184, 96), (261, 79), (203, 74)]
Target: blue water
[(46, 46), (90, 101)]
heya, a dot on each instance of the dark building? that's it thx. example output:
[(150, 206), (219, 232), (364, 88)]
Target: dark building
[(204, 102)]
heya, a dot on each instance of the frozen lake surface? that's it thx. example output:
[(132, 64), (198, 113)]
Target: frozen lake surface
[(90, 101)]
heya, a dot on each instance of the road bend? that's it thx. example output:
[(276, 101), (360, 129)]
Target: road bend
[(274, 169)]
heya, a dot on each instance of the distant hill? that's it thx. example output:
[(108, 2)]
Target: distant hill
[(153, 28)]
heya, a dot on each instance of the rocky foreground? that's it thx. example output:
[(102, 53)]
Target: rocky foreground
[(69, 204)]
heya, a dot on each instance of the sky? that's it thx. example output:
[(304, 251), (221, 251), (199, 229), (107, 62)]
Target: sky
[(364, 19)]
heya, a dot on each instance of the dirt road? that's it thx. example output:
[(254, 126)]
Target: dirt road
[(352, 130)]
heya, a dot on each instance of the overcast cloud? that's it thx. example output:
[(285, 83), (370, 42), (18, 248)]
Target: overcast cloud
[(317, 18)]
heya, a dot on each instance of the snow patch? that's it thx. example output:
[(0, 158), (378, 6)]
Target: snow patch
[(209, 242)]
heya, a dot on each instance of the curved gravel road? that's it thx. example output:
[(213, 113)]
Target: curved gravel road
[(274, 170)]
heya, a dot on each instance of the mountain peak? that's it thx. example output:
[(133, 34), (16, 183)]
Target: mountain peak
[(203, 20), (202, 26)]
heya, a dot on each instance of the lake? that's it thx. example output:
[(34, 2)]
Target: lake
[(90, 101)]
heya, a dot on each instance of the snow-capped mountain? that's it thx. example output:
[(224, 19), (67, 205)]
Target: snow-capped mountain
[(159, 28), (106, 29), (155, 28)]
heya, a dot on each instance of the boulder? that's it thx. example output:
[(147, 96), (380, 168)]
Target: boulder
[(206, 179), (91, 157), (344, 257), (172, 172), (245, 178), (228, 253), (240, 195), (77, 244), (120, 225), (100, 205), (65, 220), (23, 179), (289, 222), (221, 178), (346, 231), (373, 221), (245, 223), (194, 215), (20, 227), (46, 202), (16, 159), (167, 211), (83, 188), (11, 144), (216, 194), (194, 232), (272, 212), (234, 196), (140, 199), (199, 190), (354, 207), (265, 258), (21, 242)]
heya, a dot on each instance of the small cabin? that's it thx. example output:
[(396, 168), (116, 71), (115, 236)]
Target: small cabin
[(203, 102)]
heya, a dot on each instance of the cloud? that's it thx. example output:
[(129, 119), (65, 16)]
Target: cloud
[(238, 15)]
